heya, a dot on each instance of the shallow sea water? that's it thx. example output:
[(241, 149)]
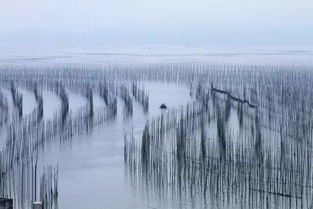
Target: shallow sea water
[(91, 166)]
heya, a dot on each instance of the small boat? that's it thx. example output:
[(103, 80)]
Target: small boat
[(163, 106)]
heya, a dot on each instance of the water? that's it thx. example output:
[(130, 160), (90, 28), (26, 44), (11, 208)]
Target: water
[(92, 172), (158, 53), (91, 167)]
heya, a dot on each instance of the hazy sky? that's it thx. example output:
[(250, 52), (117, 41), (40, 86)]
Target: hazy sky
[(159, 21)]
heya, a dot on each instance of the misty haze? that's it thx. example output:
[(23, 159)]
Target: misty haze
[(139, 104)]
